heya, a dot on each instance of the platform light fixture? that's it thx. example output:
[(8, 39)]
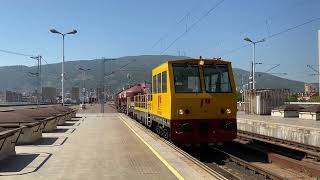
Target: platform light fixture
[(62, 72), (254, 58)]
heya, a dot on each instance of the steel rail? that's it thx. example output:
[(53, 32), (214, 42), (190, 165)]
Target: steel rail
[(247, 165), (185, 154), (267, 174), (238, 161), (311, 151)]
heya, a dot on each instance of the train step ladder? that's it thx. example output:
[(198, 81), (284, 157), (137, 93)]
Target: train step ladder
[(149, 121)]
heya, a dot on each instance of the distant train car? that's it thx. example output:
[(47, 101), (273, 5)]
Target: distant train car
[(193, 101), (123, 96)]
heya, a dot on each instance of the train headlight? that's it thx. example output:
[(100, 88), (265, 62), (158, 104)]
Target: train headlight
[(181, 111), (228, 111)]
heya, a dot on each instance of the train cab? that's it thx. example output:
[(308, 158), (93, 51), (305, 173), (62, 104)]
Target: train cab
[(194, 101)]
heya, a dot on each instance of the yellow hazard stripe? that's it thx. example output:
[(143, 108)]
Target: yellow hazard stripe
[(172, 169)]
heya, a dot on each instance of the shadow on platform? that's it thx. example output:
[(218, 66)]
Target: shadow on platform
[(23, 163), (51, 141), (73, 120), (68, 124), (63, 130)]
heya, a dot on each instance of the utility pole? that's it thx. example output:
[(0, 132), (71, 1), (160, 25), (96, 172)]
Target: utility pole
[(317, 70), (319, 61), (101, 93), (38, 74), (254, 59), (62, 72), (84, 70)]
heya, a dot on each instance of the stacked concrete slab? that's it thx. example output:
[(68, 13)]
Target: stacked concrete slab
[(31, 128), (48, 116), (8, 140), (25, 126), (288, 110), (312, 112), (68, 113)]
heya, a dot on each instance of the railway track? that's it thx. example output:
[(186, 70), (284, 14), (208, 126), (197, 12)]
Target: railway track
[(312, 152), (255, 169), (213, 167), (212, 171), (235, 167), (248, 170), (296, 156)]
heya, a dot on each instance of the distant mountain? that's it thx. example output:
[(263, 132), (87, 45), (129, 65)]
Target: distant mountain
[(265, 80), (136, 69)]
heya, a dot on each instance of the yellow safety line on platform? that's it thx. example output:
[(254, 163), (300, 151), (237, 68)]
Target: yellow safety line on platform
[(172, 169)]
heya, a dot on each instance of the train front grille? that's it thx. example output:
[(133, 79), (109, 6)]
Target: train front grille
[(203, 129)]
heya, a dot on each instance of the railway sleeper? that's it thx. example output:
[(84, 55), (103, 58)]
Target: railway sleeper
[(310, 151), (277, 156)]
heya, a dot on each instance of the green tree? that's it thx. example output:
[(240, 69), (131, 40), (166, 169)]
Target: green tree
[(314, 99), (293, 98)]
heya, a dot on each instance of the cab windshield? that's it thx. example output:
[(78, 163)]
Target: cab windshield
[(186, 78), (216, 78)]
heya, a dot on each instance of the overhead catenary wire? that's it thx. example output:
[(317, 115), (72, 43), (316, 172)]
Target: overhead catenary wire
[(182, 19), (276, 34), (120, 68), (45, 60), (167, 33), (269, 19), (48, 64), (15, 53), (193, 25), (265, 22), (273, 67), (292, 28)]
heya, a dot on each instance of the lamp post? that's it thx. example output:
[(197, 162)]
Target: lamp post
[(319, 62), (253, 67), (62, 72), (84, 83)]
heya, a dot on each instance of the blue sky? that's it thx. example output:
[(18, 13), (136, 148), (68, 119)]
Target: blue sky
[(115, 28)]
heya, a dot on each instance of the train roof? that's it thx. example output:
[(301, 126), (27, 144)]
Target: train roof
[(194, 61), (213, 61), (135, 88)]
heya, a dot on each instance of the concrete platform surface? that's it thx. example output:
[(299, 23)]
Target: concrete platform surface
[(102, 146), (95, 108), (293, 129)]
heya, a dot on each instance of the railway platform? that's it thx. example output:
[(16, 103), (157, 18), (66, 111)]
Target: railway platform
[(292, 129), (101, 146)]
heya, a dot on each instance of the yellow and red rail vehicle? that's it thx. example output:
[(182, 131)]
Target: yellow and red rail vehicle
[(193, 101)]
